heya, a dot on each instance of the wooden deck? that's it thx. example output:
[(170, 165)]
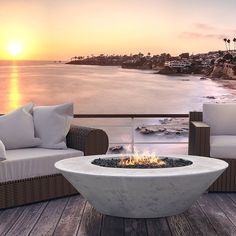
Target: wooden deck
[(213, 214)]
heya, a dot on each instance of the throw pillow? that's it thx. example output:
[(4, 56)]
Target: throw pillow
[(2, 152), (52, 124), (17, 129)]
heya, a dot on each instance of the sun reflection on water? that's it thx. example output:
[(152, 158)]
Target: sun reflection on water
[(14, 92)]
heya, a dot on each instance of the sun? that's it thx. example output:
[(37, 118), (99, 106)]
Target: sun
[(14, 48)]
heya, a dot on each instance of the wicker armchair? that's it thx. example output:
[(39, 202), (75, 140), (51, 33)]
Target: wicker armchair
[(20, 192), (199, 144)]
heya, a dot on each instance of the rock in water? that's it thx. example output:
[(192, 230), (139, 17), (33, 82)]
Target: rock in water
[(210, 97), (116, 148)]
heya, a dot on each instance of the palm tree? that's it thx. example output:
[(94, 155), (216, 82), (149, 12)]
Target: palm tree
[(225, 40), (140, 54), (234, 40), (228, 41)]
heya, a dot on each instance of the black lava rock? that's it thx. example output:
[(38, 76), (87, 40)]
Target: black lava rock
[(115, 163)]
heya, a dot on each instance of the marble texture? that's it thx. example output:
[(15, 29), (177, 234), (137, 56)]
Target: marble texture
[(141, 193)]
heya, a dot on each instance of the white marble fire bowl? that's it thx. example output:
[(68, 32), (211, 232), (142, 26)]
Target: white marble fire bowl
[(141, 193)]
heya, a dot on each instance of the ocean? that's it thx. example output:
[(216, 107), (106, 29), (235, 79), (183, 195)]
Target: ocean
[(99, 90)]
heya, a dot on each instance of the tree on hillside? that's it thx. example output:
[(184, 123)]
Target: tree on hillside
[(73, 58), (184, 55), (220, 53), (140, 55), (234, 40), (228, 41), (228, 57), (225, 40)]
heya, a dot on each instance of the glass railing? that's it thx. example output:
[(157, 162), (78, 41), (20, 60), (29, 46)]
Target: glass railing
[(160, 133)]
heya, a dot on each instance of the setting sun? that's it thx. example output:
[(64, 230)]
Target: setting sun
[(14, 48)]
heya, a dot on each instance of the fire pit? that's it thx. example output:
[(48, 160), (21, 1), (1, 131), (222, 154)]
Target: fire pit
[(155, 187)]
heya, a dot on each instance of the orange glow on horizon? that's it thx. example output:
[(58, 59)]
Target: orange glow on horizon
[(58, 30)]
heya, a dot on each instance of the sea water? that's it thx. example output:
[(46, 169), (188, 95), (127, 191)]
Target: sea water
[(110, 90)]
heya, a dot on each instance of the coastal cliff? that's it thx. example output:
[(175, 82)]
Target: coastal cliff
[(184, 70), (225, 71), (215, 65), (139, 64), (168, 71)]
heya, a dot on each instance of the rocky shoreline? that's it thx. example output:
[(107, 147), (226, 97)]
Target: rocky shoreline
[(170, 127), (167, 126)]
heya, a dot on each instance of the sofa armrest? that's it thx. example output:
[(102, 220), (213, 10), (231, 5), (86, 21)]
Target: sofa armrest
[(89, 140), (199, 139), (199, 124)]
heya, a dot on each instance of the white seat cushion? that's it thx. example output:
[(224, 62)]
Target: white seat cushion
[(223, 146), (221, 118), (32, 162)]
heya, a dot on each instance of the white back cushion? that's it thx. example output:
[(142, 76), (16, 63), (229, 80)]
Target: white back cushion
[(3, 155), (52, 124), (221, 118), (17, 129)]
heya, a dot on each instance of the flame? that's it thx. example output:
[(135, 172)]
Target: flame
[(142, 159)]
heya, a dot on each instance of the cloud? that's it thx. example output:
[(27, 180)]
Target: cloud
[(203, 26), (198, 35), (207, 31)]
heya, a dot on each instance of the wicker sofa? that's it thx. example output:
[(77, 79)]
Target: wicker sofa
[(204, 141), (23, 191)]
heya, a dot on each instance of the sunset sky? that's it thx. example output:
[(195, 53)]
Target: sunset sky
[(58, 30)]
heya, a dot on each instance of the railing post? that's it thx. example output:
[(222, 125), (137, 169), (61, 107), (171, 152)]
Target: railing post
[(132, 134)]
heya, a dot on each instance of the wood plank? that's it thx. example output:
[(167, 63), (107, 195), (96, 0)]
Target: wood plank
[(213, 214), (158, 227), (180, 226), (8, 218), (112, 226), (91, 222), (135, 227), (27, 219), (226, 204), (216, 216), (49, 218), (199, 222), (71, 217)]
